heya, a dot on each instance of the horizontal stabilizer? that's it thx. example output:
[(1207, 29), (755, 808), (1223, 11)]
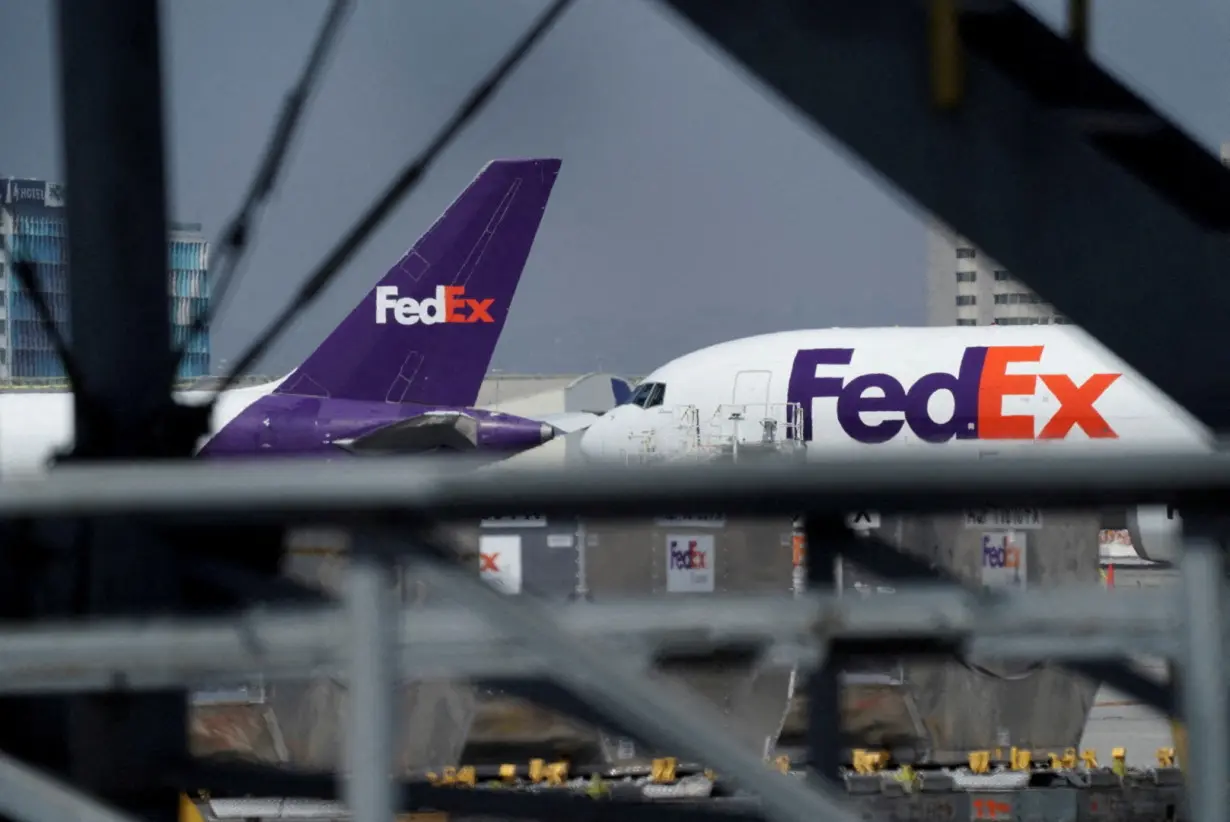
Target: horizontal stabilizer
[(569, 422), (448, 430), (416, 435)]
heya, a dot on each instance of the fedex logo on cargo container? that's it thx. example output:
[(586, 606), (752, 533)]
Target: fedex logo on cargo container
[(693, 557), (978, 390)]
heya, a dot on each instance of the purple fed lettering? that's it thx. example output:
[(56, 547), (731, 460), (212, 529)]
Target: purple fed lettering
[(992, 553), (879, 392), (805, 386), (963, 424), (853, 400)]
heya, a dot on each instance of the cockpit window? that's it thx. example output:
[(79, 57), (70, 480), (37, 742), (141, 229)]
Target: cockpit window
[(648, 395)]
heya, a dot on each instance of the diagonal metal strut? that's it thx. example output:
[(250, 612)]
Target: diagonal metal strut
[(1060, 172)]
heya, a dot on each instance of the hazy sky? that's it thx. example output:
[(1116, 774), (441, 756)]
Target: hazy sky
[(690, 209)]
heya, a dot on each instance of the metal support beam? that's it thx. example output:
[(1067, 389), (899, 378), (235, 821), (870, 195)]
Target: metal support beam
[(115, 746), (116, 202), (654, 708), (824, 740), (1078, 23), (373, 648), (274, 490), (31, 796), (443, 640), (1203, 675), (582, 548), (1088, 216)]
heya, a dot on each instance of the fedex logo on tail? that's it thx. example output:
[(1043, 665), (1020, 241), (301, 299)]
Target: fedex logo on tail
[(450, 305), (978, 389)]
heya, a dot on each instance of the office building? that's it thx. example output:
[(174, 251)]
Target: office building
[(33, 227), (966, 287)]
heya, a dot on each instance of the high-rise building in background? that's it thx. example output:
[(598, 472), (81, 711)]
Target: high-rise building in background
[(33, 227), (966, 287)]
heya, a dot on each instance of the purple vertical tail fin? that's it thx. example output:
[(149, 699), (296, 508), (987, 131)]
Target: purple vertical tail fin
[(427, 331)]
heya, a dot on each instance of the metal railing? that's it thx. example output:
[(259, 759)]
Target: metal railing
[(390, 507)]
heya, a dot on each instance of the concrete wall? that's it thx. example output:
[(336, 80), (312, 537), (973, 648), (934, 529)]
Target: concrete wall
[(311, 714), (749, 556), (938, 710), (1036, 708)]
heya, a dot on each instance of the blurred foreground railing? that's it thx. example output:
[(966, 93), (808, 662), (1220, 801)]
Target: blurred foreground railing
[(389, 508), (354, 490), (1067, 153)]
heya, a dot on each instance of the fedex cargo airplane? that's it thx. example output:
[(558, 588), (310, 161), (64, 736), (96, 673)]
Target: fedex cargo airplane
[(979, 391), (401, 372)]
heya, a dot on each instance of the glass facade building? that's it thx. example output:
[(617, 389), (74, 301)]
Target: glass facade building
[(33, 227)]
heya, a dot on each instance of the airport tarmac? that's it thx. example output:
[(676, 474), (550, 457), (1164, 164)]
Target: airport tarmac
[(1117, 721)]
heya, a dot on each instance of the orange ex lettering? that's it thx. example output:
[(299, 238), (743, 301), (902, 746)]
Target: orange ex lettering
[(1075, 401), (1076, 407), (997, 383), (455, 302)]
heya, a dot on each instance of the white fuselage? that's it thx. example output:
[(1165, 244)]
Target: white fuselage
[(34, 426), (898, 391), (894, 392)]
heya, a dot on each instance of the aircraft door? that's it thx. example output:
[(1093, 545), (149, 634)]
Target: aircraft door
[(751, 399)]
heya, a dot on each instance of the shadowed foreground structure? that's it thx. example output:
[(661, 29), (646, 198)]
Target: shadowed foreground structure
[(1059, 147), (921, 711)]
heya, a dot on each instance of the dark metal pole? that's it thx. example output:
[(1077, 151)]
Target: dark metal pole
[(121, 746), (112, 118), (1078, 23), (824, 739)]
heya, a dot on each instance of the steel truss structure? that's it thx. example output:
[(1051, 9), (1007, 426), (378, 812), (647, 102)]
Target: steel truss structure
[(1079, 170)]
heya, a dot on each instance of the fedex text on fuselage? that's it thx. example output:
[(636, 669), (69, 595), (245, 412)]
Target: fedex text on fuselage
[(978, 388)]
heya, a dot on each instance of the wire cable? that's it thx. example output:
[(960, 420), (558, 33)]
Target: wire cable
[(402, 186), (237, 236)]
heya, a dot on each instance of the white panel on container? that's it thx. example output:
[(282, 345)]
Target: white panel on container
[(1003, 559), (689, 563), (500, 561)]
